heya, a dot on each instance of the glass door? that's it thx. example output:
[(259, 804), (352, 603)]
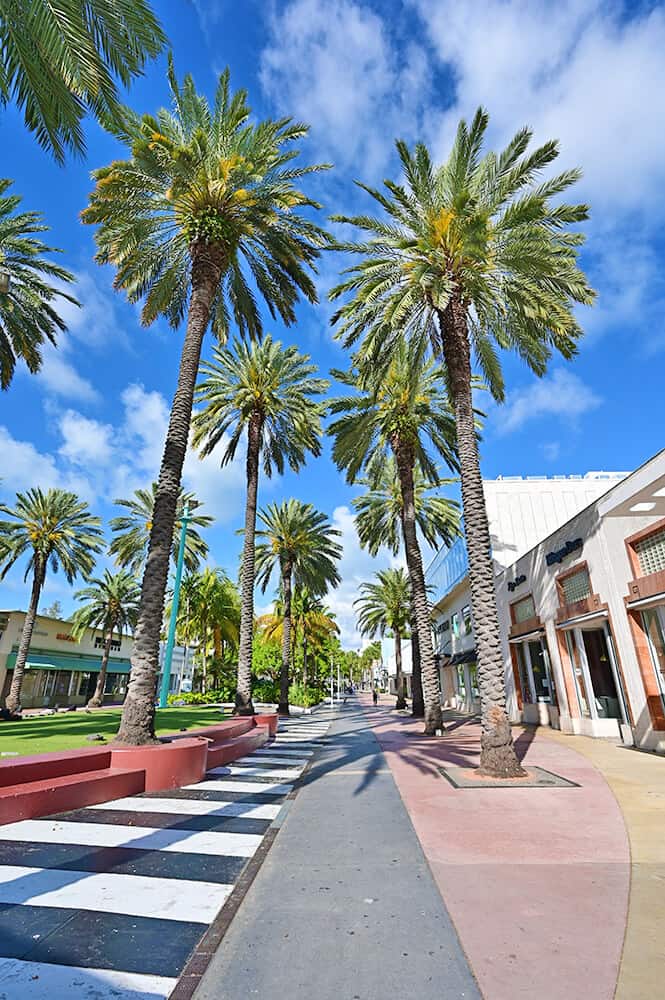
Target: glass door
[(578, 663), (653, 621)]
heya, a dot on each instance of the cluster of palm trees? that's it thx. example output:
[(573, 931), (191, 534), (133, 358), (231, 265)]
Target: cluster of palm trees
[(203, 221)]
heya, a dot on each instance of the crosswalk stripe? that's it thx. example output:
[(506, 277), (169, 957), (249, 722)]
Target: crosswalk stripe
[(248, 787), (42, 981), (135, 895), (191, 807)]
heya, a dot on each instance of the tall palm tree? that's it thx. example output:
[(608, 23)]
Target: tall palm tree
[(27, 317), (309, 616), (204, 215), (132, 530), (268, 392), (110, 603), (385, 606), (53, 528), (297, 542), (59, 62), (405, 412), (210, 613), (380, 522), (474, 256)]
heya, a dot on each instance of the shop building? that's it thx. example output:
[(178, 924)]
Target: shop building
[(62, 670), (583, 618), (521, 511)]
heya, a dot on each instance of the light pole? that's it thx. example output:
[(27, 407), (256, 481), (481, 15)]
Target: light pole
[(170, 642), (338, 682), (332, 683)]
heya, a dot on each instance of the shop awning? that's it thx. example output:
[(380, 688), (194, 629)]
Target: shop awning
[(527, 636), (587, 619), (647, 602), (81, 664), (468, 656)]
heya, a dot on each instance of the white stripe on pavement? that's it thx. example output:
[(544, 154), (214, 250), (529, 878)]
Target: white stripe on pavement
[(237, 845), (246, 787), (135, 895), (256, 772), (287, 761), (43, 981), (192, 807)]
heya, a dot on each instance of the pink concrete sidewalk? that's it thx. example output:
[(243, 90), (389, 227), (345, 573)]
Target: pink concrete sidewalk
[(536, 880)]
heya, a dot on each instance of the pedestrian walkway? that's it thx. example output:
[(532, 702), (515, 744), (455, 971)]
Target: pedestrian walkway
[(344, 907), (110, 901), (538, 880)]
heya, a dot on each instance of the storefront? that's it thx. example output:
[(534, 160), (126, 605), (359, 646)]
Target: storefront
[(52, 680), (583, 616)]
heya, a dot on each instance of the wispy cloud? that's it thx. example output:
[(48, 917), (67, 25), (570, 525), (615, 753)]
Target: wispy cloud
[(562, 395)]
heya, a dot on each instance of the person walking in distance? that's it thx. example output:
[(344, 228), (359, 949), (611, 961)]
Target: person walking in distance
[(375, 695)]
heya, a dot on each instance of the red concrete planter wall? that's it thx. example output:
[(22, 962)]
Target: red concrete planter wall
[(167, 765), (229, 750), (269, 719)]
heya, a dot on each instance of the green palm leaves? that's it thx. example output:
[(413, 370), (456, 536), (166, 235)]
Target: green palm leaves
[(132, 530), (27, 315), (298, 540), (479, 230), (203, 178), (60, 61), (54, 529), (385, 605), (272, 384), (109, 602)]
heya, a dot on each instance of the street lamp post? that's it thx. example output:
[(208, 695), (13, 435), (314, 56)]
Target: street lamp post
[(170, 642), (332, 684)]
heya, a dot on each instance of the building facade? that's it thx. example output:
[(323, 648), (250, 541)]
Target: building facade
[(63, 671), (389, 665), (583, 618), (521, 511)]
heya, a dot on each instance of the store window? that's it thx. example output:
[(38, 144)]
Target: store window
[(653, 621), (651, 553), (575, 656), (100, 642), (473, 678), (466, 618), (524, 609), (461, 681), (534, 671), (576, 586), (455, 624)]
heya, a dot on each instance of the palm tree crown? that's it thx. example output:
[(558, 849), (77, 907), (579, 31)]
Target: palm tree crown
[(478, 229), (109, 602), (298, 538), (379, 511), (204, 178), (385, 605), (27, 317), (271, 383), (60, 61), (132, 530), (407, 406), (55, 529)]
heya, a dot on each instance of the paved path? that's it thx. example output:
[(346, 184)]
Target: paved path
[(345, 906), (536, 879), (110, 901)]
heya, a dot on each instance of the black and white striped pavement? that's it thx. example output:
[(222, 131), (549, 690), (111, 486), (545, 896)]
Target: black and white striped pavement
[(110, 901)]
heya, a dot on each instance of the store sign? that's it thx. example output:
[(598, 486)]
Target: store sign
[(560, 554), (65, 637), (517, 582)]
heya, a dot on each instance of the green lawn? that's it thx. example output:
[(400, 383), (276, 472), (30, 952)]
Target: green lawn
[(67, 730)]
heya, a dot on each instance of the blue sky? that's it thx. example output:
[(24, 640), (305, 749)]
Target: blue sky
[(589, 73)]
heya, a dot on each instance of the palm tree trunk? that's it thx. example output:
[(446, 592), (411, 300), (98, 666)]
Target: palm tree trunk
[(244, 704), (304, 658), (217, 642), (421, 612), (399, 675), (283, 707), (497, 757), (417, 701), (13, 700), (97, 699), (137, 725)]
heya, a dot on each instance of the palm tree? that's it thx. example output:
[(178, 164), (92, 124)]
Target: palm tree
[(297, 541), (53, 528), (473, 256), (59, 62), (267, 391), (27, 317), (132, 530), (209, 612), (203, 216), (386, 606), (111, 603), (380, 522), (405, 412), (309, 615)]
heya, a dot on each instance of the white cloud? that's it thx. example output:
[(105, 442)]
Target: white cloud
[(562, 395), (23, 467), (95, 323), (551, 450), (336, 67), (59, 376), (85, 442), (582, 72), (355, 567)]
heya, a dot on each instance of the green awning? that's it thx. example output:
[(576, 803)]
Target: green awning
[(57, 661)]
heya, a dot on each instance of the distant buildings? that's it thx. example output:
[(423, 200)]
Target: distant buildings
[(62, 671)]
